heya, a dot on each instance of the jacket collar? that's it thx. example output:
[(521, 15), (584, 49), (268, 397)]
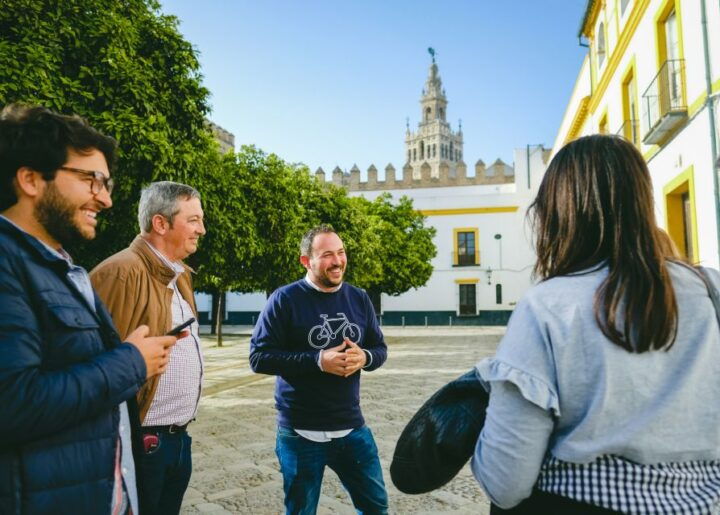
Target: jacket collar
[(54, 261), (157, 268), (61, 267)]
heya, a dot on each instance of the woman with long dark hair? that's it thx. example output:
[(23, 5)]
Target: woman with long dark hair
[(604, 390)]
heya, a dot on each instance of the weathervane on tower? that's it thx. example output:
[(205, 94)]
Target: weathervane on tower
[(431, 51)]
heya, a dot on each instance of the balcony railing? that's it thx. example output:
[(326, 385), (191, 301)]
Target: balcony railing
[(630, 130), (664, 108), (465, 259)]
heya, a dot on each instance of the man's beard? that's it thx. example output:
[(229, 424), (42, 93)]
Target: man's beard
[(56, 215), (327, 282)]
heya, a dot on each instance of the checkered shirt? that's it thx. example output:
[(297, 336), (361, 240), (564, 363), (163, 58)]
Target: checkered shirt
[(618, 484), (178, 392)]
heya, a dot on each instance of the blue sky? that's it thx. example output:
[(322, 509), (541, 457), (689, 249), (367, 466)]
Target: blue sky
[(331, 83)]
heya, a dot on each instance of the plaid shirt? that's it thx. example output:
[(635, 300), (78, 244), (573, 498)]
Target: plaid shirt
[(618, 484), (178, 392)]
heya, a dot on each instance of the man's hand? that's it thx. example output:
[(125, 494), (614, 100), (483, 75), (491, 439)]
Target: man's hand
[(355, 358), (155, 350), (333, 359)]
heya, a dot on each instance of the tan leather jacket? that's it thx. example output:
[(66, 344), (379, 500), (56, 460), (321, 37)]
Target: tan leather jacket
[(133, 284)]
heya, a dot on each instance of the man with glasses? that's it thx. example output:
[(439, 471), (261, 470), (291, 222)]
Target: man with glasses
[(148, 283), (67, 380)]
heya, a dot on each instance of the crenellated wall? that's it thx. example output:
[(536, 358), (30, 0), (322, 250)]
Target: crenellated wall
[(497, 173)]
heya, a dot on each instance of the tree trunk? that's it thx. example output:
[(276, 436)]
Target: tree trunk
[(213, 311), (219, 305)]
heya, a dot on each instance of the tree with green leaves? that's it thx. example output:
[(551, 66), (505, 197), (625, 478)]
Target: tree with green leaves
[(125, 67), (224, 257), (280, 210), (388, 246)]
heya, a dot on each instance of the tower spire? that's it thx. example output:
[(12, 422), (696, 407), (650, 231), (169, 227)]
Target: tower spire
[(434, 143), (431, 51), (433, 98)]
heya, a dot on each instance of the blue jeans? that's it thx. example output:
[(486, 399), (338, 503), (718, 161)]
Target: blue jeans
[(163, 474), (354, 458)]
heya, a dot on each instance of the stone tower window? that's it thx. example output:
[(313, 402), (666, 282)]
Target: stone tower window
[(451, 151), (428, 112), (422, 150), (442, 113), (414, 154), (409, 155), (434, 147)]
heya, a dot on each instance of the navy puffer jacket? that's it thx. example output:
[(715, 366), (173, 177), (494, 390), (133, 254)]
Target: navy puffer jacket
[(63, 373)]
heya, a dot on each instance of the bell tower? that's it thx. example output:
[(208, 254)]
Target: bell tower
[(434, 142)]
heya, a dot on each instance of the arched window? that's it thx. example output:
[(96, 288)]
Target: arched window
[(414, 154), (434, 147), (428, 112), (601, 44), (422, 150), (442, 113), (451, 151), (409, 156)]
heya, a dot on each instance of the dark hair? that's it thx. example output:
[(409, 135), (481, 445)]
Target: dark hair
[(595, 205), (309, 237), (39, 138)]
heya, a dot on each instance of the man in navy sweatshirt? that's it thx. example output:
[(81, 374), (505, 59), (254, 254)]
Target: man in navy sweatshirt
[(316, 335)]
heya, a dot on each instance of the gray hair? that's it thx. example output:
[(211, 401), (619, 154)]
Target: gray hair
[(161, 198), (309, 237)]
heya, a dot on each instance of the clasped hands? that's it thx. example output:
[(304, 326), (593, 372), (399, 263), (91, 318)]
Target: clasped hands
[(344, 359)]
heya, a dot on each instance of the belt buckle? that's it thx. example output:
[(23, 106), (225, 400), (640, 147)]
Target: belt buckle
[(174, 428)]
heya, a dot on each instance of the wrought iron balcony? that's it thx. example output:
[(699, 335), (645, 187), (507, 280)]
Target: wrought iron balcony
[(664, 108), (630, 130)]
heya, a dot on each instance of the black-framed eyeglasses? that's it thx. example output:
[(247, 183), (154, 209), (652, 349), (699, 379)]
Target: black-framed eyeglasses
[(99, 179)]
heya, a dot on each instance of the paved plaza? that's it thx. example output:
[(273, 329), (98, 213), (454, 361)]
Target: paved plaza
[(234, 465)]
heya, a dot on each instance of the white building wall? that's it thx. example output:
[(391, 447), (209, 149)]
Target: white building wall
[(685, 151), (690, 146), (235, 301), (581, 90), (507, 261)]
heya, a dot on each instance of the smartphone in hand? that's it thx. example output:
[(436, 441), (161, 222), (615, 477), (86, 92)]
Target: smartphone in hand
[(177, 330)]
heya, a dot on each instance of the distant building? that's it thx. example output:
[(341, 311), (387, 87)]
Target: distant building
[(225, 138), (484, 255), (652, 75)]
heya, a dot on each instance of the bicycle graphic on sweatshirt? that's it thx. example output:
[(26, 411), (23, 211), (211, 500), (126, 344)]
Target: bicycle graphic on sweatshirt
[(321, 335)]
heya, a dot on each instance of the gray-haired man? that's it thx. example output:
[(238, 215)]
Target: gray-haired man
[(147, 283)]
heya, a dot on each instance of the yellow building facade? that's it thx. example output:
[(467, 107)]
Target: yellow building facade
[(652, 75)]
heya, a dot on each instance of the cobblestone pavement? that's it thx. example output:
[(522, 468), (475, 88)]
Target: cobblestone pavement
[(235, 469)]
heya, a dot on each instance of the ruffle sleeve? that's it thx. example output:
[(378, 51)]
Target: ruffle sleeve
[(534, 389)]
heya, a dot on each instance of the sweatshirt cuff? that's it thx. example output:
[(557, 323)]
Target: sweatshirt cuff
[(369, 358), (319, 359)]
